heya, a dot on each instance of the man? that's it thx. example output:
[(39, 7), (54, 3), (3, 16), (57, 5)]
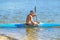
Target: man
[(29, 18)]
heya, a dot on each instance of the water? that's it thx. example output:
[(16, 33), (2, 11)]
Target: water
[(32, 33), (12, 11)]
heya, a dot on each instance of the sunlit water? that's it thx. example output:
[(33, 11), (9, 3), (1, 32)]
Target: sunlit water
[(32, 33)]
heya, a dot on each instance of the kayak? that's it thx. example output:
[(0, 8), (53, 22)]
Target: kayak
[(16, 25)]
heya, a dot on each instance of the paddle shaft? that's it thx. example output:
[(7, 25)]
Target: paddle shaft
[(36, 14)]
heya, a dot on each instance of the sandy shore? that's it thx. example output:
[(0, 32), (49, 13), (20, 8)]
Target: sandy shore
[(3, 37)]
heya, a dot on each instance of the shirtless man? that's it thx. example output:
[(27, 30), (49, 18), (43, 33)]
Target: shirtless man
[(30, 17)]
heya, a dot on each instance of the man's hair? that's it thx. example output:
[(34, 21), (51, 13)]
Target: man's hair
[(31, 11)]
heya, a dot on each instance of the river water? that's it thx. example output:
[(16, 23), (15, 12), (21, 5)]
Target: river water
[(32, 33)]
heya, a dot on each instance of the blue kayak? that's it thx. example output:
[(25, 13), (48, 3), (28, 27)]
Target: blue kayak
[(44, 25)]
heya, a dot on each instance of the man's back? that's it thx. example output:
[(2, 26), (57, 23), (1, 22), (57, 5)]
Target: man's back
[(29, 19)]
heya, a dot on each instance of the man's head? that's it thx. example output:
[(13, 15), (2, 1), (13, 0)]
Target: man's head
[(32, 13)]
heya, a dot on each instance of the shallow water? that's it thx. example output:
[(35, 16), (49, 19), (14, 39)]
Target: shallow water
[(32, 33)]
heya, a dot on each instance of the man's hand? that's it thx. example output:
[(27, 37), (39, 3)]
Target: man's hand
[(34, 23)]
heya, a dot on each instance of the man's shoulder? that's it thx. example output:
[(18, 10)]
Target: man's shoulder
[(29, 16)]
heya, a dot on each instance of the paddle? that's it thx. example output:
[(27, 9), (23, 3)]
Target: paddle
[(36, 14)]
